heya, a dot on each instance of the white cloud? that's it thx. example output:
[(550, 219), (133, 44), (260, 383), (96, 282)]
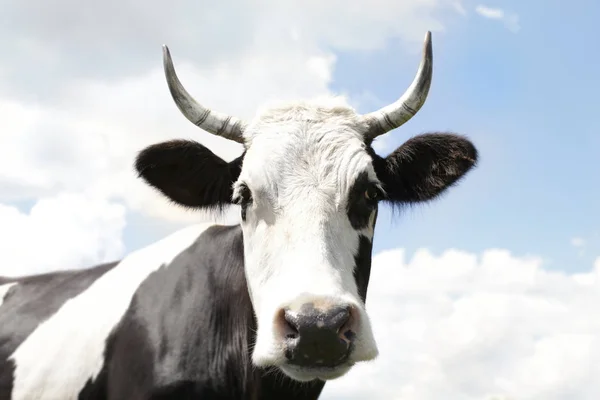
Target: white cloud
[(511, 20), (578, 242), (462, 326), (491, 13), (47, 46), (83, 91), (70, 230), (74, 146), (101, 95)]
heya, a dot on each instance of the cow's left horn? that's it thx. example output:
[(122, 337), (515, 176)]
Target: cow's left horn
[(211, 121), (392, 116)]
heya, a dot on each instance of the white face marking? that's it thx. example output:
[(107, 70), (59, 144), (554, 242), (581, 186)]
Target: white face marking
[(72, 340), (4, 290), (299, 242)]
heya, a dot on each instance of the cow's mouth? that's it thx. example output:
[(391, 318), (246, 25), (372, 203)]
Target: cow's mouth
[(306, 374)]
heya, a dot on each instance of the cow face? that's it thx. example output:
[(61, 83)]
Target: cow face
[(308, 185), (308, 193)]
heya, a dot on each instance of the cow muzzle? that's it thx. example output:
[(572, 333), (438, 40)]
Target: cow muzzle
[(318, 339)]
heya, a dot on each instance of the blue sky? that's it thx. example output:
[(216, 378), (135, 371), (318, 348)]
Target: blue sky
[(528, 100)]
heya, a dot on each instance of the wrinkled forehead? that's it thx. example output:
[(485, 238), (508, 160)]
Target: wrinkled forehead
[(306, 146)]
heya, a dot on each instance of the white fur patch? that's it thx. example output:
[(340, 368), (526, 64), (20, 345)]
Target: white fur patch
[(4, 290), (59, 357)]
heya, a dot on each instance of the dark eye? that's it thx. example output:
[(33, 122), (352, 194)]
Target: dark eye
[(244, 196), (372, 193)]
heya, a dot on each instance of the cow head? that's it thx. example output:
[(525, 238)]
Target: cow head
[(308, 185)]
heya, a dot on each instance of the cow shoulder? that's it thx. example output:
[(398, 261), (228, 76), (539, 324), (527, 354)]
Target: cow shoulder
[(187, 328)]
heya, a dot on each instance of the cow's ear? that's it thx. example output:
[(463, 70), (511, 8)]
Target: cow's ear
[(425, 166), (188, 173)]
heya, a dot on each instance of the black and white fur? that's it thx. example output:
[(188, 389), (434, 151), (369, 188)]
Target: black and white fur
[(203, 313)]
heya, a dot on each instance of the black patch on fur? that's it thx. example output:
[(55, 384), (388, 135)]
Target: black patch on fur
[(189, 330), (31, 301), (189, 173), (424, 167), (359, 207), (362, 271)]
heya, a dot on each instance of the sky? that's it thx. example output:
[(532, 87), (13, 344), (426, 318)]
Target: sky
[(487, 293)]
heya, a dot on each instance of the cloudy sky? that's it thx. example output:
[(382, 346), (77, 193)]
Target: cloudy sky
[(489, 293)]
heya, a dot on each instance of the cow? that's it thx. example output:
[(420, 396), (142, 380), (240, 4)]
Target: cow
[(272, 307)]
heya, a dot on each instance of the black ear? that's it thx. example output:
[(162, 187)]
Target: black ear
[(425, 166), (188, 173)]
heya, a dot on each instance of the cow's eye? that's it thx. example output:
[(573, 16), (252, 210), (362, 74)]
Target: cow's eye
[(372, 193), (243, 198), (243, 195)]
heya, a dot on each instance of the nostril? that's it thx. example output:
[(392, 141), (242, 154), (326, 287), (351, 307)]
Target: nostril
[(290, 325), (346, 331), (339, 319), (348, 334), (291, 332)]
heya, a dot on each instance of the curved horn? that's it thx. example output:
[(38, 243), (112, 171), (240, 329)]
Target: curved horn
[(393, 115), (211, 121)]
